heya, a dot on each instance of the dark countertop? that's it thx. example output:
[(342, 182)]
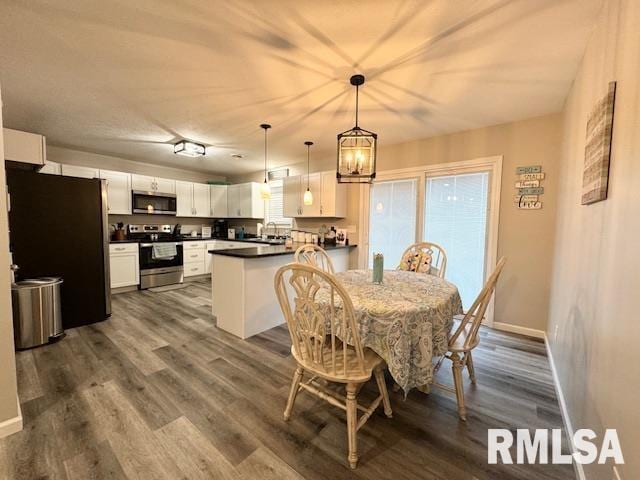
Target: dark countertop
[(268, 250), (189, 239)]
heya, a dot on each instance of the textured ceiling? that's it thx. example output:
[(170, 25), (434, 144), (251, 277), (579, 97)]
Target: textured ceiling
[(129, 78)]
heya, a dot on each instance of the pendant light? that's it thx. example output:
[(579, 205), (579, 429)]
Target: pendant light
[(265, 189), (308, 196), (356, 149)]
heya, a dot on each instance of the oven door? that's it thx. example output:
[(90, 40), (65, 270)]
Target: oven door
[(148, 264), (153, 203)]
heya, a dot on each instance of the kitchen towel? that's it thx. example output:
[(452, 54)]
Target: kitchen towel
[(164, 251)]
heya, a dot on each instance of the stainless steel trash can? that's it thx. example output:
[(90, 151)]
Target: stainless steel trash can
[(37, 314)]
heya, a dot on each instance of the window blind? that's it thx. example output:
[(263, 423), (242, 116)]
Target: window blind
[(392, 219), (275, 205), (456, 219)]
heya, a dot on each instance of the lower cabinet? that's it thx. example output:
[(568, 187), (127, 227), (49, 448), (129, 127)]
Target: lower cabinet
[(124, 264), (194, 258)]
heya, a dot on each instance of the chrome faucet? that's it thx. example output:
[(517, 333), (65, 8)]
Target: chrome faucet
[(275, 229)]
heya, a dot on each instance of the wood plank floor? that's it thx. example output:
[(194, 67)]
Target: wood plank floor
[(157, 391)]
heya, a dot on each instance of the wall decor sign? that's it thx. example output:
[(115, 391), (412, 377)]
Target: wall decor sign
[(597, 150), (528, 188), (528, 183), (532, 176), (529, 169)]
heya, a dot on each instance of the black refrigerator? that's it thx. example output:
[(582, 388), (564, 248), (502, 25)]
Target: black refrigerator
[(58, 226)]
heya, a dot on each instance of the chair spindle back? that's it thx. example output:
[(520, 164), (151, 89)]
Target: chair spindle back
[(437, 253), (475, 314), (315, 256), (319, 330)]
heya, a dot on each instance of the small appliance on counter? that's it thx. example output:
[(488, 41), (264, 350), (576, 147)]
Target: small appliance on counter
[(220, 229), (231, 233), (206, 231)]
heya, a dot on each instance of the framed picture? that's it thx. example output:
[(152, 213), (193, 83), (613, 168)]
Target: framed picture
[(597, 150)]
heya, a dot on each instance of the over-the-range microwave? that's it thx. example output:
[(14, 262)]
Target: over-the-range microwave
[(153, 203)]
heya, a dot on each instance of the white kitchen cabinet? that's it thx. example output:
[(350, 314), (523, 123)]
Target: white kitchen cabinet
[(145, 183), (201, 200), (184, 199), (291, 197), (243, 201), (118, 191), (329, 198), (194, 258), (218, 200), (192, 199), (24, 147), (333, 196), (52, 168), (124, 264), (77, 171)]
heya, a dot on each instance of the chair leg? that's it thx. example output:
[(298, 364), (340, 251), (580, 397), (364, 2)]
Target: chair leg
[(382, 386), (295, 384), (469, 362), (457, 367), (352, 423)]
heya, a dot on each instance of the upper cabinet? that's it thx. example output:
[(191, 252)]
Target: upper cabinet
[(118, 191), (152, 184), (329, 197), (218, 200), (77, 171), (333, 196), (192, 199), (243, 201), (24, 147)]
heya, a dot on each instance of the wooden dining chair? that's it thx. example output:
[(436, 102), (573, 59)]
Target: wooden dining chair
[(315, 256), (424, 257), (317, 329), (465, 338)]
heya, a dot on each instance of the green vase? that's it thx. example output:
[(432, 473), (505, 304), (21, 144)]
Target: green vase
[(378, 267)]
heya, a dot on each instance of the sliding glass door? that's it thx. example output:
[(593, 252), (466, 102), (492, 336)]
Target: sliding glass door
[(392, 219), (455, 217)]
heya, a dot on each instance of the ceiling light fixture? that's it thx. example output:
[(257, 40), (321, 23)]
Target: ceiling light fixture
[(356, 149), (308, 196), (265, 190), (189, 149)]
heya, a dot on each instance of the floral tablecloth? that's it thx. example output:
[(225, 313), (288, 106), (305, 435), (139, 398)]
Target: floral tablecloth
[(406, 320)]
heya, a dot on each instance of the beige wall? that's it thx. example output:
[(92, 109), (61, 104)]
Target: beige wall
[(594, 327), (525, 237), (8, 389), (77, 157)]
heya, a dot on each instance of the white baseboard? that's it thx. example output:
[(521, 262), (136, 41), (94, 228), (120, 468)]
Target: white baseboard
[(11, 426), (563, 409), (508, 327)]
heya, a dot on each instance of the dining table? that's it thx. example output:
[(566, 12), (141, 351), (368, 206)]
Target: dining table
[(406, 319)]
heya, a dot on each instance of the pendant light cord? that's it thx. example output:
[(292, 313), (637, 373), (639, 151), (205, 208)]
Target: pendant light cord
[(308, 168), (357, 90), (265, 154)]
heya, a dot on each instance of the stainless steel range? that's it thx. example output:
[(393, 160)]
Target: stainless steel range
[(161, 254)]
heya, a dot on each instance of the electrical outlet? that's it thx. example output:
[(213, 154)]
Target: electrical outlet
[(616, 474)]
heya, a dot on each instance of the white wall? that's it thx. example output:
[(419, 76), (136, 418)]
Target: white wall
[(9, 414), (594, 326)]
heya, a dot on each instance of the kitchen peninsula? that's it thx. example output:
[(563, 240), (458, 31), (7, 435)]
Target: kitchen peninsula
[(243, 298)]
